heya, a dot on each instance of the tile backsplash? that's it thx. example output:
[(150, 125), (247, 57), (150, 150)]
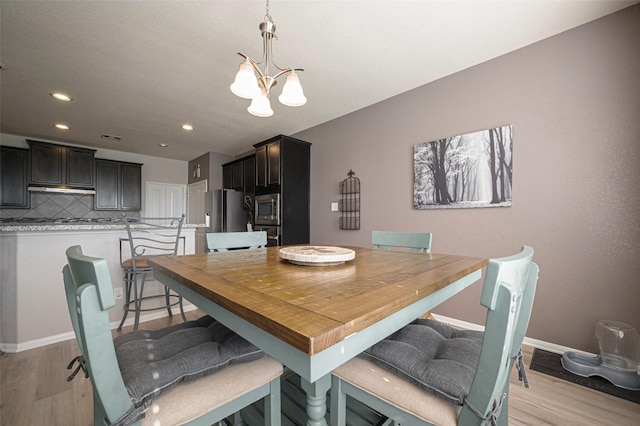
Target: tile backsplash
[(45, 205)]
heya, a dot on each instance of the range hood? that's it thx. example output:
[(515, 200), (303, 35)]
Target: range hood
[(61, 190)]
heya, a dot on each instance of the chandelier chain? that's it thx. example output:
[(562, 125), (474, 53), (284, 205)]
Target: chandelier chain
[(267, 16)]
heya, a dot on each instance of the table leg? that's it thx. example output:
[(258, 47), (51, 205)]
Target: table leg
[(317, 400)]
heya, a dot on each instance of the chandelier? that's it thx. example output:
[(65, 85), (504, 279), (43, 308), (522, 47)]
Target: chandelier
[(246, 85)]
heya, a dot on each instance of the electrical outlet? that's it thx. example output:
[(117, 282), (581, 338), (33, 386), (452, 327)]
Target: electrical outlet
[(118, 292), (334, 207)]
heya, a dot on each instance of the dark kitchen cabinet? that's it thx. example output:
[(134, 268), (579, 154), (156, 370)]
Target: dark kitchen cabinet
[(237, 181), (268, 164), (240, 176), (60, 165), (283, 166), (233, 175), (227, 176), (249, 186), (131, 186), (261, 166), (14, 176), (118, 186), (281, 160)]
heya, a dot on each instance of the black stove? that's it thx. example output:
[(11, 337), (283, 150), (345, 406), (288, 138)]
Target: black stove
[(58, 221)]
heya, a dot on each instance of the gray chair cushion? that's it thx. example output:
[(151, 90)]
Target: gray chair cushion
[(433, 355), (151, 361)]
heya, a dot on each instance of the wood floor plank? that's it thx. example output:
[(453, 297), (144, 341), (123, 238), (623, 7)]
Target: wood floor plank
[(552, 401), (82, 401), (58, 406), (18, 386), (52, 372)]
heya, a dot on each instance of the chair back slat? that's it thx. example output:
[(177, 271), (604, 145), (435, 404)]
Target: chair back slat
[(224, 241), (508, 293), (414, 241), (89, 296), (152, 236)]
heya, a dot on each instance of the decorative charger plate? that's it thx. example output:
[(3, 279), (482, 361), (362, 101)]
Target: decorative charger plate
[(316, 255)]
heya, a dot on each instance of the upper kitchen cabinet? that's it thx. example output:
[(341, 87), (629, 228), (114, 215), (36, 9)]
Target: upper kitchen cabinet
[(249, 186), (240, 175), (14, 176), (59, 165), (118, 186), (268, 164), (281, 161)]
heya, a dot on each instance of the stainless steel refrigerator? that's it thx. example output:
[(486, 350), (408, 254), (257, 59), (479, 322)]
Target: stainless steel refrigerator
[(224, 211)]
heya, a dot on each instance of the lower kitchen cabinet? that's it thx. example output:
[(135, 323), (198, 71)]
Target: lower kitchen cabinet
[(14, 177), (118, 186)]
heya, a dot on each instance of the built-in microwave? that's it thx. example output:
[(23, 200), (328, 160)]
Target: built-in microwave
[(268, 209)]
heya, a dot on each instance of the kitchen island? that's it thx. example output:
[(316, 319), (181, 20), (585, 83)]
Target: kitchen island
[(33, 309)]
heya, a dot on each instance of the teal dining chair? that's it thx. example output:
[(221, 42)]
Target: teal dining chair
[(225, 241), (195, 372), (414, 241), (418, 242), (428, 373)]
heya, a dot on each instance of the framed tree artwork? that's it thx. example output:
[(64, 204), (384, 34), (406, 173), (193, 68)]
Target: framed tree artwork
[(466, 171)]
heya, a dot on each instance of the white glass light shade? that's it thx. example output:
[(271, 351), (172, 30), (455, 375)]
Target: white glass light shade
[(245, 84), (292, 94), (260, 106)]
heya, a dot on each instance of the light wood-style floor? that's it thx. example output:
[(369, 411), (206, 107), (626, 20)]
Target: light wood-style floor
[(34, 391)]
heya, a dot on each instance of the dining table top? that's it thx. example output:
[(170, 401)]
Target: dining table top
[(313, 307)]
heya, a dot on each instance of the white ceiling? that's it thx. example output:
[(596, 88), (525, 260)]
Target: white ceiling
[(140, 69)]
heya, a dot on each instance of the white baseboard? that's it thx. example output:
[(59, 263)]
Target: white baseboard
[(32, 344), (540, 344), (12, 347)]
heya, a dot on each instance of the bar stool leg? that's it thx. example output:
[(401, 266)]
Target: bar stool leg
[(127, 295), (138, 297), (167, 298), (131, 282), (184, 318)]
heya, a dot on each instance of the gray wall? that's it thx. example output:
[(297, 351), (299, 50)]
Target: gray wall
[(210, 168), (203, 162), (574, 103)]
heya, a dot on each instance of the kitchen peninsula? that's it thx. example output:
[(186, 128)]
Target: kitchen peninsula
[(33, 306)]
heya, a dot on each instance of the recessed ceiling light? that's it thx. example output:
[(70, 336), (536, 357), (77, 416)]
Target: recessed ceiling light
[(163, 145), (61, 96), (62, 126), (187, 127)]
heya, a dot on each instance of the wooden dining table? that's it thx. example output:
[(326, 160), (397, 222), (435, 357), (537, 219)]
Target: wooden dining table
[(314, 318)]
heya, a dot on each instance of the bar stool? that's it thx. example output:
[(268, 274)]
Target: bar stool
[(148, 237)]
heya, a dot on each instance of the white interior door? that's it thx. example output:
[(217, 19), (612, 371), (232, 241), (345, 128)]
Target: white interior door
[(154, 200), (164, 199), (175, 200)]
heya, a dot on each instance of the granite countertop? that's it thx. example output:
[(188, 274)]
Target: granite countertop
[(75, 227)]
